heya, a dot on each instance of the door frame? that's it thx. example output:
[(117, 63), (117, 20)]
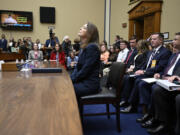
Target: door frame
[(142, 9)]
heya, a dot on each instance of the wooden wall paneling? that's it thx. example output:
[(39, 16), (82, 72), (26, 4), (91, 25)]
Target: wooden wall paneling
[(157, 18), (145, 8), (139, 28), (149, 23), (131, 28), (151, 12)]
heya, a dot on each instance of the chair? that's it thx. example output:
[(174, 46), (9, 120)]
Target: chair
[(111, 94)]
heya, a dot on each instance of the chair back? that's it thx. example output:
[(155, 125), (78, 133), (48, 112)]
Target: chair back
[(115, 78)]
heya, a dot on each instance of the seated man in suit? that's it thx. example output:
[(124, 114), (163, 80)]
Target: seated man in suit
[(164, 101), (157, 59), (132, 52)]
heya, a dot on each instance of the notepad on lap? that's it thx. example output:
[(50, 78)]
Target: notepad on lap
[(150, 80), (168, 85)]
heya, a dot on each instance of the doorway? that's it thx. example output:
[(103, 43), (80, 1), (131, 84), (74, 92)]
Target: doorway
[(139, 28), (145, 18)]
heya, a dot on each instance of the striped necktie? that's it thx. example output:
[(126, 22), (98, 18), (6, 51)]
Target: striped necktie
[(171, 63), (151, 58)]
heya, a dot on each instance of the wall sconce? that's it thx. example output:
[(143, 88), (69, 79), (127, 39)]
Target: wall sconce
[(124, 25)]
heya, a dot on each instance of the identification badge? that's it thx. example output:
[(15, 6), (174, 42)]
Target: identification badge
[(153, 63)]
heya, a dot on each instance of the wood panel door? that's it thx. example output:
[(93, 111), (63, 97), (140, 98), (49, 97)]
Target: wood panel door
[(149, 24), (139, 28)]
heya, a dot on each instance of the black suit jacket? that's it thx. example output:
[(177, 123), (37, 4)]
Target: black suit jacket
[(140, 61), (161, 57), (87, 68), (131, 59), (176, 70), (3, 44)]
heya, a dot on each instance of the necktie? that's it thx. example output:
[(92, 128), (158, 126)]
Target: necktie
[(171, 64), (130, 53), (151, 58)]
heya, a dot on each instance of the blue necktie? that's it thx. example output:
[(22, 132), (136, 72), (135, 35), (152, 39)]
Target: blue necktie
[(151, 58)]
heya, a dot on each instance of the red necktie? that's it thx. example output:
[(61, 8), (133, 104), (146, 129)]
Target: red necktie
[(129, 56)]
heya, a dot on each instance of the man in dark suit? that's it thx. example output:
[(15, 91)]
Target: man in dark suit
[(3, 43), (164, 101), (132, 52), (156, 61), (129, 61), (51, 42)]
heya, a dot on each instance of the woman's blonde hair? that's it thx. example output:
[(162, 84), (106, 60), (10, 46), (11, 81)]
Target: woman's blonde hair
[(142, 46)]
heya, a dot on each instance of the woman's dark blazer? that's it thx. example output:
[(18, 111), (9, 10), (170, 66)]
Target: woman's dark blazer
[(140, 61), (86, 74)]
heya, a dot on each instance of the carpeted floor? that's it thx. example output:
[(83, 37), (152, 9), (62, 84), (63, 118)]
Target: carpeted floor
[(101, 125)]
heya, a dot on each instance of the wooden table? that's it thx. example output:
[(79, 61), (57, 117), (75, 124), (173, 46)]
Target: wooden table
[(11, 56), (38, 104)]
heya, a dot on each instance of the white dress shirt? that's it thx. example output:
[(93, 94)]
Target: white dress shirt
[(156, 51), (170, 71), (122, 55)]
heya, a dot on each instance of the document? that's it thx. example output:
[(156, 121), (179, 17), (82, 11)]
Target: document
[(168, 85), (150, 80)]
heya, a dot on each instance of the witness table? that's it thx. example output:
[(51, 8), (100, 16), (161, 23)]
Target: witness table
[(38, 104)]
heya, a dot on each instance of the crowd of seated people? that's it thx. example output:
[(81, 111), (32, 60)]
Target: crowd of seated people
[(51, 50), (148, 59), (160, 108)]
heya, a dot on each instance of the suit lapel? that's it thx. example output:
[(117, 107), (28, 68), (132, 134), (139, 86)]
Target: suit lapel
[(176, 68)]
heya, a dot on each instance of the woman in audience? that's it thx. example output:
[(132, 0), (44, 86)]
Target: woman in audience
[(112, 58), (104, 56), (104, 52), (35, 54), (140, 58), (112, 55), (58, 55), (15, 47), (117, 49), (85, 77)]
